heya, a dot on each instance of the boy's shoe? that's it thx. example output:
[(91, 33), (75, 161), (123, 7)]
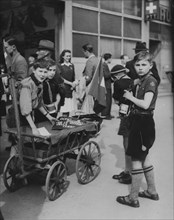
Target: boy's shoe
[(125, 200), (126, 179), (146, 194), (118, 176)]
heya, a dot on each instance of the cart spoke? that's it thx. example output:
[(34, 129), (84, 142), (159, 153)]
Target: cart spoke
[(62, 174), (91, 170), (83, 174), (89, 150)]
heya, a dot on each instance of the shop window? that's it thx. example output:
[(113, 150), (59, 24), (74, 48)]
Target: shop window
[(82, 20), (111, 5), (93, 3), (155, 31), (109, 45), (110, 24), (133, 7), (79, 40), (128, 48), (166, 32), (132, 28)]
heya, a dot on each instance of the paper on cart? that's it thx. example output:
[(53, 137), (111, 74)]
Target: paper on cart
[(43, 131)]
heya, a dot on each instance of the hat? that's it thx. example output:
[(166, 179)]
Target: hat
[(46, 45), (117, 69), (140, 46)]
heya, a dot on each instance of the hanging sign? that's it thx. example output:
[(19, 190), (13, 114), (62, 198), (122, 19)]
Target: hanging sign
[(155, 11)]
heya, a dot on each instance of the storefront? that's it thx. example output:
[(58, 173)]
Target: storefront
[(109, 25)]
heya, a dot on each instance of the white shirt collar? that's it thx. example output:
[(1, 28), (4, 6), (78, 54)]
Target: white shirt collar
[(66, 64)]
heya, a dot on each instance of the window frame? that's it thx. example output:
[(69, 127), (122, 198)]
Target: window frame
[(99, 10)]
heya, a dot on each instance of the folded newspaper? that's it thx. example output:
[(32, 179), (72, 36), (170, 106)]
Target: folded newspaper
[(43, 131)]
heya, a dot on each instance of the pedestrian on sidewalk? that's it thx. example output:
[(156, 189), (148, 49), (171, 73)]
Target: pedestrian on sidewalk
[(121, 82), (142, 132), (106, 113)]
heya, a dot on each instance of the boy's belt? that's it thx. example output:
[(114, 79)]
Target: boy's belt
[(139, 112)]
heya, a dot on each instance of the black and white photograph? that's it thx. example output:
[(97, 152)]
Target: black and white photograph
[(86, 109)]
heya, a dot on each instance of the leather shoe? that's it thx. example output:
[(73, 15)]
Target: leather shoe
[(126, 200), (118, 176), (126, 179), (146, 194)]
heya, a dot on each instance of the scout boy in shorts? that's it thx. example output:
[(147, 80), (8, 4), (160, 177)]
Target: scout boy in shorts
[(142, 132)]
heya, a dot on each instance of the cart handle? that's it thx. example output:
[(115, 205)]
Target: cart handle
[(27, 135)]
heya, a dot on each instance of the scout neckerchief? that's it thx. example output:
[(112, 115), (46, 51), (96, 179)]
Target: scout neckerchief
[(49, 91)]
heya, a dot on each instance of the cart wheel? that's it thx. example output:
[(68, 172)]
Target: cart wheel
[(88, 162), (12, 171), (56, 180)]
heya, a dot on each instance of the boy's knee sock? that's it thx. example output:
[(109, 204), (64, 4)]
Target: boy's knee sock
[(137, 176), (128, 164), (149, 175)]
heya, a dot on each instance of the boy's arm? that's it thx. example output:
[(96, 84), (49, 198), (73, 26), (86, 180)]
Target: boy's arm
[(44, 112), (142, 103), (57, 101), (32, 125)]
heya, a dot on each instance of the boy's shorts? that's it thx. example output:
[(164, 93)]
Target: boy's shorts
[(124, 127), (141, 136)]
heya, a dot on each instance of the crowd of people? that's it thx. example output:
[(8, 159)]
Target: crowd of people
[(46, 90)]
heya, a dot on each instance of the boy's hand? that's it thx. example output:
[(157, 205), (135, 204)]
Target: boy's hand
[(52, 119), (35, 132), (136, 82), (128, 95)]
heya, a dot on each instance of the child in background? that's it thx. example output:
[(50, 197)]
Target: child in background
[(142, 131), (51, 93), (122, 82)]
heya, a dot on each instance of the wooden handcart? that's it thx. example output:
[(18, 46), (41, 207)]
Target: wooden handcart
[(46, 156)]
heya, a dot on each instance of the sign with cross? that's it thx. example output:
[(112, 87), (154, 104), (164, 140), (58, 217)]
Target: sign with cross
[(151, 9)]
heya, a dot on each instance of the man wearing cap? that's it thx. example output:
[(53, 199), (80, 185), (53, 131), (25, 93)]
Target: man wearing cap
[(45, 49), (141, 46)]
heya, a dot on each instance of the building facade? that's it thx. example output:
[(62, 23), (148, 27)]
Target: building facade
[(109, 25)]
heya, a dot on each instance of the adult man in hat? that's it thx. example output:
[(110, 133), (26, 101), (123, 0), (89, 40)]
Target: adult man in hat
[(45, 49), (141, 46)]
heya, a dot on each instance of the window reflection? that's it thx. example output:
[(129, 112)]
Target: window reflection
[(110, 24), (132, 28), (111, 5), (133, 7), (82, 20), (109, 45), (79, 40), (93, 3)]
